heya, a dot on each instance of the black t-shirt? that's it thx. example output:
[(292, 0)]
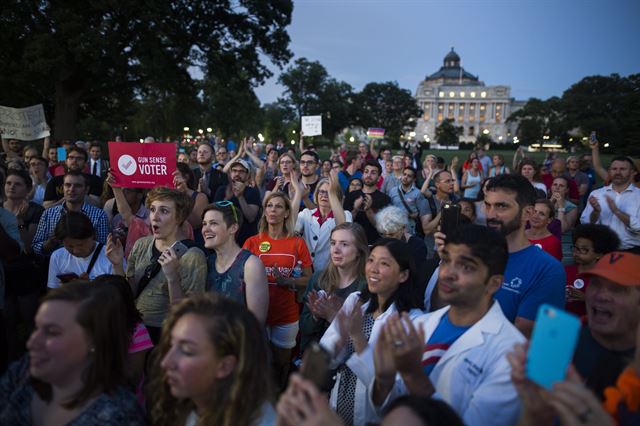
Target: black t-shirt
[(599, 366), (379, 200), (251, 196), (55, 187)]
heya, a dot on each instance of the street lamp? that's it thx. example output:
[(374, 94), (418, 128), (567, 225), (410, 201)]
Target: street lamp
[(209, 130), (186, 129), (352, 139), (200, 131)]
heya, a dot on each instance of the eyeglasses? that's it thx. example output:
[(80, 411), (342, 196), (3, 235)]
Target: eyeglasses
[(581, 250), (307, 163), (323, 193), (227, 203)]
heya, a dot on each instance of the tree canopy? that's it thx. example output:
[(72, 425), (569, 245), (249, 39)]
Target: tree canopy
[(101, 58)]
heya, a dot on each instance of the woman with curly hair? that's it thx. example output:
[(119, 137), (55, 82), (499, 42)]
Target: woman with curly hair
[(212, 367)]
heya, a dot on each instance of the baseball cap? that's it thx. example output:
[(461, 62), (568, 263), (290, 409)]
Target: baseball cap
[(619, 267), (243, 163)]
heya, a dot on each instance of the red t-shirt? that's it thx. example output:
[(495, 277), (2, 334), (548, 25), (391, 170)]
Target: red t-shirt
[(551, 245), (285, 254), (578, 283)]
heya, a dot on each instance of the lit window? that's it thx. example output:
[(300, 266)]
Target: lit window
[(450, 106), (472, 107), (473, 94), (462, 94), (483, 94), (426, 117), (426, 106), (440, 107), (482, 107), (441, 94), (452, 94), (462, 107), (461, 118), (482, 118), (498, 107), (439, 117)]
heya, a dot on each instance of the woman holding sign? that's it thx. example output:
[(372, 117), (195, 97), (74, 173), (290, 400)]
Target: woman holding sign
[(288, 266)]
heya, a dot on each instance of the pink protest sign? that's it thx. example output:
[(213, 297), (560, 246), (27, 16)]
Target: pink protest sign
[(142, 165)]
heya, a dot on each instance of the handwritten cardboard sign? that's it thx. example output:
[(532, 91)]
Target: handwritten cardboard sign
[(311, 125), (142, 165), (25, 124)]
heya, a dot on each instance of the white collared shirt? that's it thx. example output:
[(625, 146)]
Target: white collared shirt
[(628, 201)]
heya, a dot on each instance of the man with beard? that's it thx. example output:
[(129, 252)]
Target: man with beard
[(75, 162), (308, 169), (243, 196), (365, 203), (532, 276), (617, 205), (209, 178)]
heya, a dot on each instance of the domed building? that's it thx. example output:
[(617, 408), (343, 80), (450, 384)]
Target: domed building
[(452, 92)]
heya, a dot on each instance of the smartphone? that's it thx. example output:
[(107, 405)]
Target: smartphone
[(61, 154), (179, 248), (554, 339), (69, 276), (315, 367), (450, 218), (593, 139)]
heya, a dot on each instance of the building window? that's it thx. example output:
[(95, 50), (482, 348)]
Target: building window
[(483, 107), (441, 94), (498, 107), (440, 107), (426, 107), (473, 94), (483, 94), (426, 117), (472, 131), (472, 107), (462, 94), (439, 117), (497, 117), (452, 94), (461, 118), (481, 118), (450, 106)]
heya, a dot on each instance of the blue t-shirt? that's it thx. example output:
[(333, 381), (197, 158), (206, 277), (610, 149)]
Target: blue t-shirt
[(442, 338), (344, 179), (532, 277)]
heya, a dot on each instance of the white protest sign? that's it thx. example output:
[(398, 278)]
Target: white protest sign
[(25, 124), (312, 125)]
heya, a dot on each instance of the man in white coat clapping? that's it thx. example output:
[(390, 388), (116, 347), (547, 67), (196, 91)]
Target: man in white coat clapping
[(457, 353)]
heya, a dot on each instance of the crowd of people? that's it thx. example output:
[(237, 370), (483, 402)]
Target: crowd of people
[(270, 285)]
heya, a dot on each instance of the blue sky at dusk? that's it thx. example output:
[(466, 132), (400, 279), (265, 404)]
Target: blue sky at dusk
[(538, 47)]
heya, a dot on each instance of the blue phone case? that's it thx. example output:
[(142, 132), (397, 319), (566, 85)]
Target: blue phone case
[(554, 338), (62, 154)]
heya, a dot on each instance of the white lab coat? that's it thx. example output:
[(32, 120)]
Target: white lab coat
[(361, 364), (473, 375)]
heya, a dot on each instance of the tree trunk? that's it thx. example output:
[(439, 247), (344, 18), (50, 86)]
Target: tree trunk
[(68, 95)]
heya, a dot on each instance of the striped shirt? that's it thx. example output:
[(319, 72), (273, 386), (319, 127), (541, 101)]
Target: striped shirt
[(52, 215)]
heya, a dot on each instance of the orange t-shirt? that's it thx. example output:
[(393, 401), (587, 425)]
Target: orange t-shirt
[(285, 254)]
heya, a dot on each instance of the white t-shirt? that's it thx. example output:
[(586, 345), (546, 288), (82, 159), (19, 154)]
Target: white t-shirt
[(63, 262)]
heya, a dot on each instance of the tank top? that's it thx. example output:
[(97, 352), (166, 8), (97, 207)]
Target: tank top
[(229, 283), (475, 189)]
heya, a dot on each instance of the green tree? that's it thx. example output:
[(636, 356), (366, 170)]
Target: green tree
[(97, 57), (539, 118), (385, 105), (610, 105), (447, 133), (278, 119), (309, 90)]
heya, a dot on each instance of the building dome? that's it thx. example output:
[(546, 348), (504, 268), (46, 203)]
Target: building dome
[(452, 59), (452, 73)]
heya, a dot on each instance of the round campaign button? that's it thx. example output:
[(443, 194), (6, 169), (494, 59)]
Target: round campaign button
[(579, 283), (127, 165), (264, 247)]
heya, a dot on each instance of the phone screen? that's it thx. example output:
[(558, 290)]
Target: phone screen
[(554, 338), (450, 218), (179, 248)]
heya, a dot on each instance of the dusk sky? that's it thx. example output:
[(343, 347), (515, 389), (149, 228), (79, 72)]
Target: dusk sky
[(538, 47)]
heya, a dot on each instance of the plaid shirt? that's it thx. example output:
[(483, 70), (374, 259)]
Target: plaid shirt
[(52, 215)]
